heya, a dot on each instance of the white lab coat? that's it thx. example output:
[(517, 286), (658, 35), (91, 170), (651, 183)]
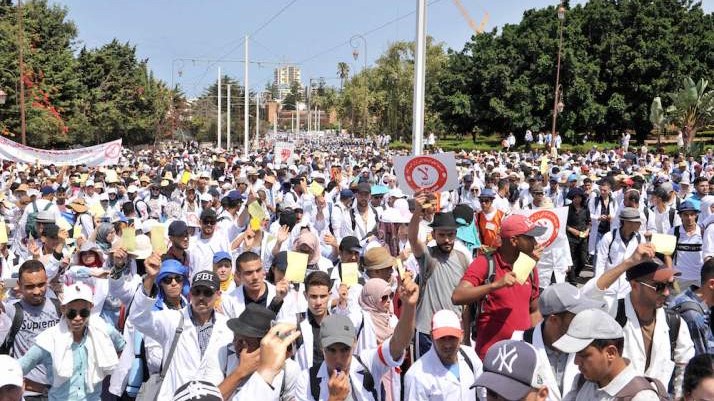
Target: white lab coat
[(233, 304), (571, 370), (555, 259), (595, 211), (187, 363), (608, 257), (428, 380)]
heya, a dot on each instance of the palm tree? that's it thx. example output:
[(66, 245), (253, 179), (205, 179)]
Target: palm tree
[(343, 71)]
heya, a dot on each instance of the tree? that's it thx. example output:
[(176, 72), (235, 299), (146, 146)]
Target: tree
[(293, 98), (692, 108)]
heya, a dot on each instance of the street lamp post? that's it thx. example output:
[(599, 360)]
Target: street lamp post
[(557, 101), (355, 53)]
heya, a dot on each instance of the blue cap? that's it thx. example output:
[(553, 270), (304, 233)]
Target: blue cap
[(346, 193), (379, 190), (46, 190), (234, 195), (221, 255), (487, 193), (572, 177), (687, 206)]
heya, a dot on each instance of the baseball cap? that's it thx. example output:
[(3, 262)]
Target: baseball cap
[(364, 187), (206, 197), (253, 322), (206, 278), (687, 206), (378, 258), (518, 224), (564, 297), (178, 228), (445, 323), (660, 272), (511, 369), (10, 372), (198, 391), (46, 190), (221, 255), (336, 329), (346, 194), (77, 291), (132, 189), (586, 326), (350, 243), (487, 193)]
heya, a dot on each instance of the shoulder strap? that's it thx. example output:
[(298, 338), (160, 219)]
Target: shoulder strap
[(646, 211), (676, 236), (34, 206), (56, 303), (528, 335), (638, 384), (467, 359), (315, 382), (609, 247), (368, 381), (687, 306), (177, 334), (672, 213), (352, 217), (14, 329), (47, 206), (621, 317), (673, 322)]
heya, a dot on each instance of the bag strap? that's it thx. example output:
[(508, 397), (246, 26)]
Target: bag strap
[(315, 382), (638, 384), (528, 335), (177, 334), (47, 206), (368, 381), (467, 359), (671, 216), (673, 323), (14, 329), (676, 236)]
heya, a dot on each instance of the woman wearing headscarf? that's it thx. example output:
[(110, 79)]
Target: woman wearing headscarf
[(307, 243), (105, 235)]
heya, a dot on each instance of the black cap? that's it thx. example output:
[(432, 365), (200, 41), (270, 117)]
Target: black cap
[(350, 243), (208, 213), (281, 261), (178, 228), (254, 322), (206, 278)]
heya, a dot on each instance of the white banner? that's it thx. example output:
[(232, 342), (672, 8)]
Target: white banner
[(284, 152), (554, 220), (432, 173), (99, 155)]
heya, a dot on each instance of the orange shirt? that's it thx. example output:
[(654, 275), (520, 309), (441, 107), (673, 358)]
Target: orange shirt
[(490, 230)]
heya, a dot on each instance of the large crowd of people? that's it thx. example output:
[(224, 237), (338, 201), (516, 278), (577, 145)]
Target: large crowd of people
[(191, 273)]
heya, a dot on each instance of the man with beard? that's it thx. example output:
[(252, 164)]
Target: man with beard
[(363, 217), (178, 235), (440, 269), (208, 242)]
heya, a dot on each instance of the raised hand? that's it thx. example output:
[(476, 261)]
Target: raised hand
[(339, 385), (508, 280)]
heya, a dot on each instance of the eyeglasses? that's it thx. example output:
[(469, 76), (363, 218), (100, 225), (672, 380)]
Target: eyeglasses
[(658, 287), (486, 200), (202, 292), (208, 222), (387, 297), (170, 279), (538, 193), (83, 313)]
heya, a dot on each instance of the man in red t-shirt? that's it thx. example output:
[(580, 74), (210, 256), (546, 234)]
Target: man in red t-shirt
[(506, 305)]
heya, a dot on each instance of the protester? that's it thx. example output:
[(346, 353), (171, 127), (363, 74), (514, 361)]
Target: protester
[(698, 381)]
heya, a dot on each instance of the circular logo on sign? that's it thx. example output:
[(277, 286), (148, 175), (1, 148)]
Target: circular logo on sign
[(285, 154), (549, 220), (112, 151), (425, 173)]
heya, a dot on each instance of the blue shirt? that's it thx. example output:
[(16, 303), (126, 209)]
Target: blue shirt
[(697, 317), (74, 389)]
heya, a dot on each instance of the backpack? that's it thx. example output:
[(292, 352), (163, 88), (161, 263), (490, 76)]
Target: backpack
[(683, 247), (471, 367), (6, 348), (368, 382), (672, 318), (671, 212), (354, 220), (631, 389), (30, 228), (609, 247)]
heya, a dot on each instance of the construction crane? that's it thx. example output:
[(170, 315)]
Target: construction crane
[(478, 28)]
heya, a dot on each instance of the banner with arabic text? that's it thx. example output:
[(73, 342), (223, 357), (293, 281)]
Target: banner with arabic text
[(99, 155)]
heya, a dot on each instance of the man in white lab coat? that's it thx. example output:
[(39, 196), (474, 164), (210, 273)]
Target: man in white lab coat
[(448, 369)]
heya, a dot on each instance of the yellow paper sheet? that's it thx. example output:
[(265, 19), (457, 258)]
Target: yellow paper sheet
[(255, 224), (3, 232), (128, 239), (83, 177), (158, 239), (96, 210), (185, 177), (664, 243), (316, 189), (350, 274), (77, 231), (544, 165), (400, 268), (523, 267), (256, 211), (297, 267)]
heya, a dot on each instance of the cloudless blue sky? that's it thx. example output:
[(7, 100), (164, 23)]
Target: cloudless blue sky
[(312, 32)]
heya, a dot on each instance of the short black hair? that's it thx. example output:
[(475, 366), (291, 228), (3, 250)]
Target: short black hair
[(245, 257), (317, 278), (698, 368), (30, 266), (707, 272), (601, 344), (700, 179)]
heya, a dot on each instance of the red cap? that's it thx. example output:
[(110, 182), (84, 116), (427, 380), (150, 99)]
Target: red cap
[(518, 224)]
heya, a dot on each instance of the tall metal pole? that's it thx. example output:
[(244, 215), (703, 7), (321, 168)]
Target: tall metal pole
[(219, 109), (257, 116), (419, 79), (561, 18), (297, 117), (228, 117), (246, 101), (21, 64)]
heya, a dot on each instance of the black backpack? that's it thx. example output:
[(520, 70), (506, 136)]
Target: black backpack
[(8, 345), (368, 382), (672, 318)]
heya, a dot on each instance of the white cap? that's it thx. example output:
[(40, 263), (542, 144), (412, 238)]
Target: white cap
[(445, 323), (132, 189), (77, 291), (89, 183), (111, 190), (103, 196), (206, 197), (316, 174), (395, 193), (586, 326), (10, 372)]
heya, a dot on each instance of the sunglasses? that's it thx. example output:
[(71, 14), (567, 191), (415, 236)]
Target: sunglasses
[(83, 313), (209, 222), (203, 292), (387, 297), (171, 278), (486, 200), (658, 287)]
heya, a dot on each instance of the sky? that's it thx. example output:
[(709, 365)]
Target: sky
[(183, 39)]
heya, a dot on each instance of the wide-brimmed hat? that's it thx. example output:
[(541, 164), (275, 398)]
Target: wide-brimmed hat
[(444, 221), (78, 205)]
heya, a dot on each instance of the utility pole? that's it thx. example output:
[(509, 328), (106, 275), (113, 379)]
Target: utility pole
[(246, 95), (419, 79), (228, 117), (21, 63), (219, 109), (257, 116)]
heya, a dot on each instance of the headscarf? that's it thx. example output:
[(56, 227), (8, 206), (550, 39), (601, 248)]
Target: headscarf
[(171, 266), (308, 238), (102, 233), (371, 302)]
